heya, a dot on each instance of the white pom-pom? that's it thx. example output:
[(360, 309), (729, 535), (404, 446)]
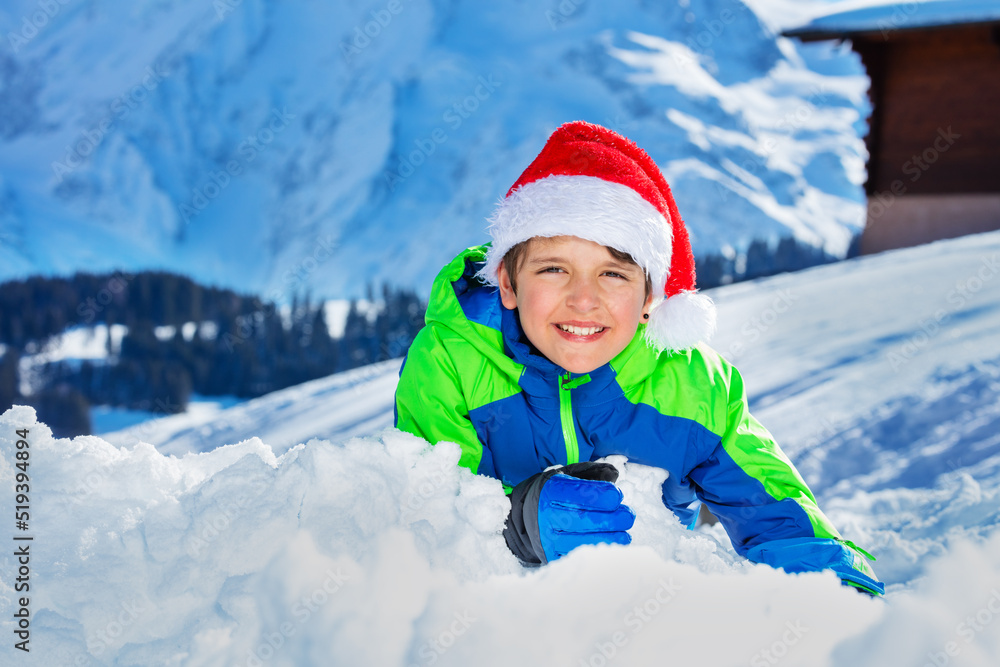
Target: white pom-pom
[(681, 322)]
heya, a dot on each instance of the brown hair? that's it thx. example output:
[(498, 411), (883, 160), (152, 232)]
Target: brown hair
[(516, 255)]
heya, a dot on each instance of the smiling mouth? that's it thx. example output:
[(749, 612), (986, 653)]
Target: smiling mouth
[(580, 331)]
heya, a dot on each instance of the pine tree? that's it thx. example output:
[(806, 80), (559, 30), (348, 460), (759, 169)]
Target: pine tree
[(9, 392)]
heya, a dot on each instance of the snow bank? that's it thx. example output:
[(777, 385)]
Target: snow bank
[(950, 618), (381, 551)]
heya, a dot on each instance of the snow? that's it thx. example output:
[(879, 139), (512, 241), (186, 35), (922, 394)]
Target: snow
[(73, 346), (374, 548), (93, 343), (861, 332), (228, 543), (383, 551), (336, 310), (82, 342), (206, 427), (882, 17), (343, 405), (207, 329), (108, 419)]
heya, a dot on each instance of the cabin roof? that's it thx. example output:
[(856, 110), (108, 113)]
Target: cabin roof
[(858, 17)]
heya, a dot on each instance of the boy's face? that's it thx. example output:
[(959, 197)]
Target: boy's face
[(578, 305)]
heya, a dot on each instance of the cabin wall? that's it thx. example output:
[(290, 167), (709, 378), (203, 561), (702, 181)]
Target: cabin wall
[(937, 95), (902, 222), (934, 139)]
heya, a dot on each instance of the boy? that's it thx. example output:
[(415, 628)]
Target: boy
[(577, 334)]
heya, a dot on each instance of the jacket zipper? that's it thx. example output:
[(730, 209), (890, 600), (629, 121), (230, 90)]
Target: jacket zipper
[(566, 415)]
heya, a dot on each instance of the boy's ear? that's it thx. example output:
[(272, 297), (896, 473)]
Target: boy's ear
[(507, 295)]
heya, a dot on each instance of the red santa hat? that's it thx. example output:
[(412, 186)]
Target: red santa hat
[(595, 184)]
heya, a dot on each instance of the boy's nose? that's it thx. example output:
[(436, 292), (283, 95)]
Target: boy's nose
[(583, 294)]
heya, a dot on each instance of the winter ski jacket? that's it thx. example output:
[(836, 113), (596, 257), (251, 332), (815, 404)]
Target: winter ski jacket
[(471, 377)]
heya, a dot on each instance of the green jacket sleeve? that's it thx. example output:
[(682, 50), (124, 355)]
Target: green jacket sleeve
[(429, 400), (750, 484), (766, 507)]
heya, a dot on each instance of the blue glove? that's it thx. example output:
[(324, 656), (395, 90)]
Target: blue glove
[(555, 511), (812, 554), (680, 498)]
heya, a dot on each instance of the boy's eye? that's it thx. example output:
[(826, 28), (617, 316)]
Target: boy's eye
[(556, 269)]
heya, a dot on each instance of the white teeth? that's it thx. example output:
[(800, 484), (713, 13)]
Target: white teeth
[(580, 331)]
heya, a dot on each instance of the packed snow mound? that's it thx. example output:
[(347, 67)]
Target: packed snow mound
[(383, 551)]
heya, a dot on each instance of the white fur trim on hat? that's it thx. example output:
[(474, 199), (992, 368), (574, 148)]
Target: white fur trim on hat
[(681, 321), (591, 208)]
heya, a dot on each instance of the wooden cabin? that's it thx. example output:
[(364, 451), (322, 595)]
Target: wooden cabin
[(934, 132)]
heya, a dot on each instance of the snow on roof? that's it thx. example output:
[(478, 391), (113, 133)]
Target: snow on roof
[(868, 16)]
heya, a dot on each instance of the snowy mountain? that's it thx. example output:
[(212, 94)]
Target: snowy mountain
[(880, 375), (267, 146)]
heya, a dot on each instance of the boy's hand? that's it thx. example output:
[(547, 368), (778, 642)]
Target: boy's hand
[(555, 511), (812, 554)]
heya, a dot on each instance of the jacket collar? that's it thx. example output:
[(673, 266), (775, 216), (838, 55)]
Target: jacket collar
[(542, 378)]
